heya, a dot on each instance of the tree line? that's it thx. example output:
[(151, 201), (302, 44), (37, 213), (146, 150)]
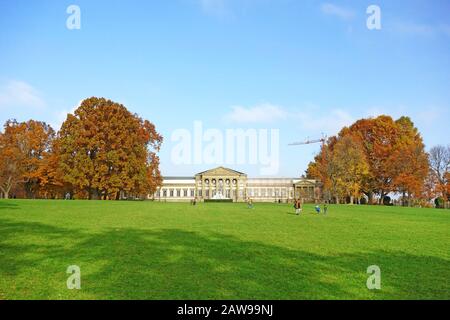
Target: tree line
[(102, 151), (376, 157)]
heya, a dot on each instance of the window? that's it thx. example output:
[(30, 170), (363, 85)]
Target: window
[(185, 192), (192, 193), (200, 193), (171, 192), (178, 193), (165, 193)]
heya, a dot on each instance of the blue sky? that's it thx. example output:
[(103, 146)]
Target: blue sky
[(303, 67)]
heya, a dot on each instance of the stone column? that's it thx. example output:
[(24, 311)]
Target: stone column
[(203, 189), (210, 188)]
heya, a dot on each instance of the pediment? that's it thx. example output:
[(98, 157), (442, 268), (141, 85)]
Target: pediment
[(221, 171), (304, 183)]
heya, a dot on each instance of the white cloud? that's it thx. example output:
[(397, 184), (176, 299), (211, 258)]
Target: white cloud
[(431, 115), (19, 94), (415, 29), (213, 7), (424, 30), (311, 118), (262, 113), (376, 111), (425, 117), (61, 116), (330, 123), (334, 10)]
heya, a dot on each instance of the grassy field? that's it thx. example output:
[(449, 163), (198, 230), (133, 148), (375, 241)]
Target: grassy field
[(145, 250)]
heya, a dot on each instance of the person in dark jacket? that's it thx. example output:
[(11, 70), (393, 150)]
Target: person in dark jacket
[(298, 206)]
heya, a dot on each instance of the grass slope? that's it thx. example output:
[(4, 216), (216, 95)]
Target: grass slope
[(145, 250)]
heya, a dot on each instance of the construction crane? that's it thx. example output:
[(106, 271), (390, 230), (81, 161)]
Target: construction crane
[(307, 141)]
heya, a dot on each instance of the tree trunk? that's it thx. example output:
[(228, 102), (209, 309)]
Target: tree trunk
[(369, 197), (351, 200), (381, 200), (6, 188)]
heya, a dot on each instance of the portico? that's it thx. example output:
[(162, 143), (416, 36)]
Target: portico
[(222, 183)]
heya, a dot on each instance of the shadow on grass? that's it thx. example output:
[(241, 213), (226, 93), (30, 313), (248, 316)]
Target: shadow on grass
[(5, 204), (176, 264)]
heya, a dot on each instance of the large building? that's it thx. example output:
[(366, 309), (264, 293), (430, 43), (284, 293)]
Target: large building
[(224, 183)]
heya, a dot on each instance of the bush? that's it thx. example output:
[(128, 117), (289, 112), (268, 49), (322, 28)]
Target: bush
[(439, 202), (424, 204), (363, 200), (387, 201)]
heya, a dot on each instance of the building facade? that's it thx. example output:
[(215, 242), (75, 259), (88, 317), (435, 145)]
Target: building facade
[(224, 183)]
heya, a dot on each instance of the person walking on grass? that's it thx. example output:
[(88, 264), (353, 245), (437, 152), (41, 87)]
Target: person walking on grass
[(317, 209), (250, 203), (325, 208), (298, 206)]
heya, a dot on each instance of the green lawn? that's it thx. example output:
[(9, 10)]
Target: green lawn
[(145, 250)]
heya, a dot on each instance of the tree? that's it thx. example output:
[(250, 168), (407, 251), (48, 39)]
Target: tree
[(52, 183), (409, 161), (440, 165), (23, 147), (350, 168), (430, 191), (11, 158), (37, 140), (447, 184), (322, 168), (374, 156), (106, 151), (379, 137)]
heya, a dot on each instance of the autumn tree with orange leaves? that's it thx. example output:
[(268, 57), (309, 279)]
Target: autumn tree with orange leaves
[(106, 152), (23, 148), (409, 161), (392, 152), (52, 182), (11, 158)]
